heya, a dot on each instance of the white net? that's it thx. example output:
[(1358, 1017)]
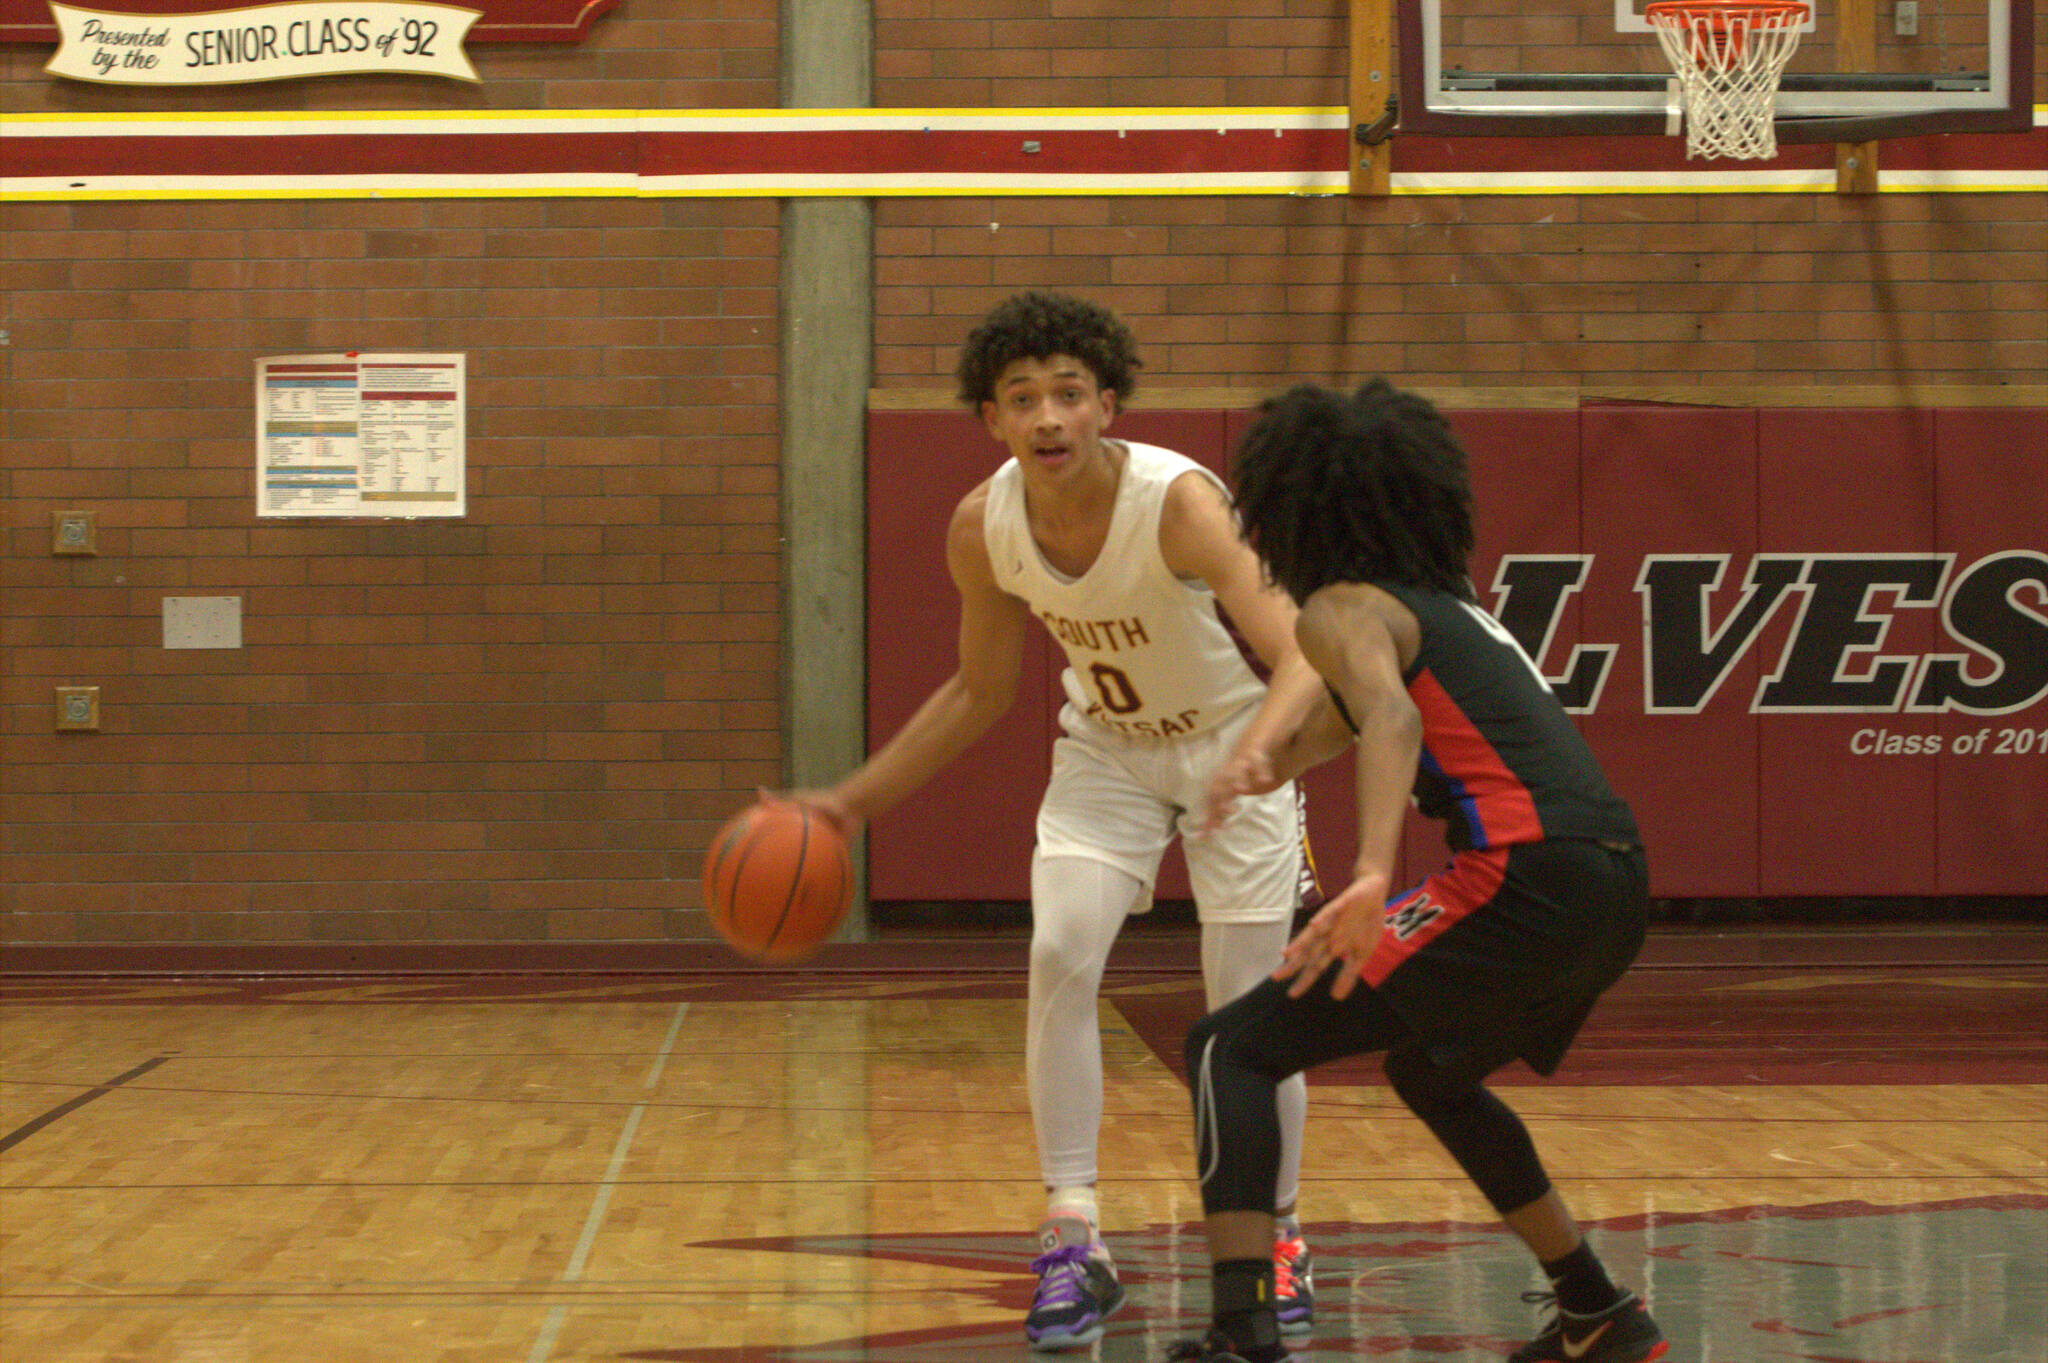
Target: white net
[(1729, 58)]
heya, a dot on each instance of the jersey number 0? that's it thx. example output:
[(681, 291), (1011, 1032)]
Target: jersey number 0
[(1119, 697)]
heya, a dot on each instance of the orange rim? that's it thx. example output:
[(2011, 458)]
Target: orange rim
[(1767, 13)]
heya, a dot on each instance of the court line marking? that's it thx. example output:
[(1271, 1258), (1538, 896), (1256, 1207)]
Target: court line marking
[(29, 1128), (544, 1344)]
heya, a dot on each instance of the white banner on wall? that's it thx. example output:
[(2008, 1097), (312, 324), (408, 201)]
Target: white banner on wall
[(360, 435), (265, 42)]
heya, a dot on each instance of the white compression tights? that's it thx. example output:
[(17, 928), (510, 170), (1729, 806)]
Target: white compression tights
[(1078, 905)]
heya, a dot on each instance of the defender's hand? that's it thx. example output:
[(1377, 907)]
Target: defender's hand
[(1346, 929)]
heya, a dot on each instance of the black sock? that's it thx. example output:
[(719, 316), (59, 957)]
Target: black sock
[(1241, 1296), (1581, 1282)]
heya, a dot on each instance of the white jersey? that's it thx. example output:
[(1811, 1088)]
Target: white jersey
[(1147, 653)]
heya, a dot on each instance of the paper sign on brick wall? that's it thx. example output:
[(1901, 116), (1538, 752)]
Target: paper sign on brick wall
[(266, 42), (361, 435)]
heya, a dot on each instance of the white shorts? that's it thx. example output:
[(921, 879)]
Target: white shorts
[(1121, 801)]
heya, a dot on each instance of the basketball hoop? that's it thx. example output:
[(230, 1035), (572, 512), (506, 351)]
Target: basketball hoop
[(1729, 58)]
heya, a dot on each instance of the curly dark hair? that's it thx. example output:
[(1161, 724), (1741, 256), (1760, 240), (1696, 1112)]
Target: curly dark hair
[(1355, 489), (1033, 326)]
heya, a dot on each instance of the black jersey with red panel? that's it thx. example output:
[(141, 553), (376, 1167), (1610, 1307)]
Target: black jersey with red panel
[(1501, 763)]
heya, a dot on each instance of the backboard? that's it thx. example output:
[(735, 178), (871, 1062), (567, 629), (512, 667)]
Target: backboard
[(1864, 69)]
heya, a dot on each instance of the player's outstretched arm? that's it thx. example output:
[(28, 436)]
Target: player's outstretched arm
[(993, 629), (1360, 640), (1322, 735), (1199, 538)]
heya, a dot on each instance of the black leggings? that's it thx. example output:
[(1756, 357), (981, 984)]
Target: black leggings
[(1237, 1056), (1512, 977)]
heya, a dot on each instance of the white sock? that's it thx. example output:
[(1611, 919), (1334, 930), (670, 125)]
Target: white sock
[(1076, 1202)]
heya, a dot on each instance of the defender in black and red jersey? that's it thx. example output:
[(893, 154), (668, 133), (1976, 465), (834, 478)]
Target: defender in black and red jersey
[(1360, 509)]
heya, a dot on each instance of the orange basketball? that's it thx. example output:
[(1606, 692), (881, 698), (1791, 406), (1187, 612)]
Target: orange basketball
[(777, 881)]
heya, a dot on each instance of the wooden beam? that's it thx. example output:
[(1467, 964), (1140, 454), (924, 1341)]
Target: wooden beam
[(1856, 168), (1372, 82), (1856, 50)]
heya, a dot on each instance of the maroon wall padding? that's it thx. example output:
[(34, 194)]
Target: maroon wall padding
[(1673, 480), (1847, 482), (1843, 797), (1526, 499), (968, 834), (1991, 497)]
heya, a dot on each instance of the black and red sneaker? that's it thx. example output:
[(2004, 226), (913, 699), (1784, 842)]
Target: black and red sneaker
[(1623, 1333)]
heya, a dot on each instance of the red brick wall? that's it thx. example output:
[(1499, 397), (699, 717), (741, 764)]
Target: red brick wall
[(1106, 53), (1734, 289), (1495, 292), (519, 725), (522, 725)]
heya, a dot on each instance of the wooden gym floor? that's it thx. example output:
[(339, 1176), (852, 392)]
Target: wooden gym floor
[(1824, 1145)]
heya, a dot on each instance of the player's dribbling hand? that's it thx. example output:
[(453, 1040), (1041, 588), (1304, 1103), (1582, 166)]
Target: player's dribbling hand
[(823, 802), (1346, 929)]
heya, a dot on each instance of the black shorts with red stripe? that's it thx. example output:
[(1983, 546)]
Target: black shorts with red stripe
[(1503, 952)]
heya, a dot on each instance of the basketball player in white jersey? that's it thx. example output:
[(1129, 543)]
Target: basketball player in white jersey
[(1124, 551)]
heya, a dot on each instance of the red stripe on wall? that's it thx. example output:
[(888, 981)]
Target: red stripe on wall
[(326, 154), (887, 152), (912, 152)]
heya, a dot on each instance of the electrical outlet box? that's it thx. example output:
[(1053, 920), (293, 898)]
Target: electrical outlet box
[(78, 708), (74, 532), (1906, 18), (202, 622)]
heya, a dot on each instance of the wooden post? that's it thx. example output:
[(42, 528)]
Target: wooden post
[(1372, 81), (1856, 50)]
